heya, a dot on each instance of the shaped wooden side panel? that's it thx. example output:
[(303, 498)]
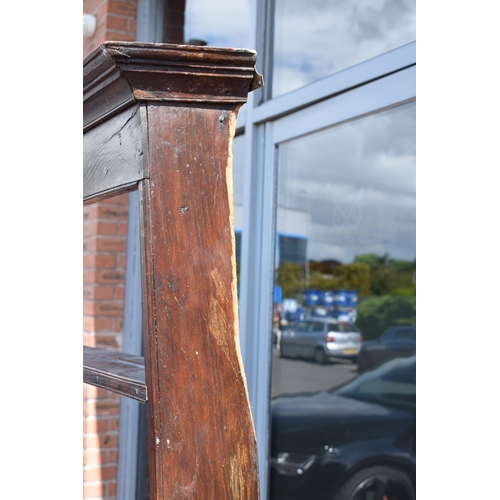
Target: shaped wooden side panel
[(201, 435)]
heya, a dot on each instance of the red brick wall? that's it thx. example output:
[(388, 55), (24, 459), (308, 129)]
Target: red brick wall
[(115, 21), (104, 239), (173, 21), (104, 247)]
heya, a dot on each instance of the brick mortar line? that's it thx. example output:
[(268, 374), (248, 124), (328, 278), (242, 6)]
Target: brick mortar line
[(121, 16), (97, 7), (116, 236)]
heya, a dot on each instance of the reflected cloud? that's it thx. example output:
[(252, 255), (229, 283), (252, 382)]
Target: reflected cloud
[(316, 38), (220, 23), (354, 186)]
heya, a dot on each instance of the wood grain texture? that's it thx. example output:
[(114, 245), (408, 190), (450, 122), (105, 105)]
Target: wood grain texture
[(113, 156), (118, 372), (201, 435)]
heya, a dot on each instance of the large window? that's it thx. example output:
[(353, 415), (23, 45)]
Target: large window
[(238, 170), (349, 193)]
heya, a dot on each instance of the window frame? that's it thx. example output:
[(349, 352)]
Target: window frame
[(385, 81)]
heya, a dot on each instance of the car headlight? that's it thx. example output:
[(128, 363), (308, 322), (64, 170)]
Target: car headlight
[(292, 464)]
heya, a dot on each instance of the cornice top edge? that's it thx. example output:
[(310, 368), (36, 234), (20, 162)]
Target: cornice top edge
[(116, 73), (126, 52)]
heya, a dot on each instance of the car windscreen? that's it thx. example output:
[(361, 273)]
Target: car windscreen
[(393, 383), (404, 333)]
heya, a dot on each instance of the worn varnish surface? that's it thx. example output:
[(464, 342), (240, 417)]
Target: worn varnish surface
[(202, 441)]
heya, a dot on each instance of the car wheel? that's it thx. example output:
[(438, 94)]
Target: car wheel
[(319, 356), (377, 483)]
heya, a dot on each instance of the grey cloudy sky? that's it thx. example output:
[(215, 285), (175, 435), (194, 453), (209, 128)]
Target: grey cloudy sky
[(356, 183), (312, 38), (221, 23), (316, 38), (351, 186)]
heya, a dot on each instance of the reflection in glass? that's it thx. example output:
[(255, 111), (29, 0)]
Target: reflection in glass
[(219, 23), (238, 172), (317, 38), (343, 374)]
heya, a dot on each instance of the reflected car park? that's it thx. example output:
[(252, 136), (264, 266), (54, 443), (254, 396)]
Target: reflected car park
[(343, 425), (321, 340), (353, 442)]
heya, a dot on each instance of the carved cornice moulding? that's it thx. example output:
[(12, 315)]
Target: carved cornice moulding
[(118, 74)]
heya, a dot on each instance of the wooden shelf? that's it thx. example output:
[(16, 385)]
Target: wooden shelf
[(116, 371)]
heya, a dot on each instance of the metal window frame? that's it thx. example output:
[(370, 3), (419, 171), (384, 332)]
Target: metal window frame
[(332, 85), (350, 78), (393, 89), (368, 87), (259, 230)]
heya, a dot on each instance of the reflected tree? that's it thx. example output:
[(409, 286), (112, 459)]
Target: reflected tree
[(389, 276), (386, 287), (375, 314)]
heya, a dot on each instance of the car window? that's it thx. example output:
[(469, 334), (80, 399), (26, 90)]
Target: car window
[(346, 327), (389, 334), (317, 327), (405, 335), (303, 327), (398, 333), (392, 383)]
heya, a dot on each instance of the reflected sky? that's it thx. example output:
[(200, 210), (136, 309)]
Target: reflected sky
[(316, 38), (238, 166), (220, 23), (312, 38), (350, 189)]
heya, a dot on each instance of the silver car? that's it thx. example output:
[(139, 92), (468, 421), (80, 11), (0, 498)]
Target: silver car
[(321, 340)]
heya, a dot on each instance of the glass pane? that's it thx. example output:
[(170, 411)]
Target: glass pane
[(317, 38), (343, 395), (220, 23), (238, 171)]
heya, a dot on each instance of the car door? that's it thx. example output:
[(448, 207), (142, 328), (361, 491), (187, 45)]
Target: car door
[(315, 337), (402, 344), (291, 338), (303, 339)]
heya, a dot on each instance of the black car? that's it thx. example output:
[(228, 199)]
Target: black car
[(395, 342), (355, 442)]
